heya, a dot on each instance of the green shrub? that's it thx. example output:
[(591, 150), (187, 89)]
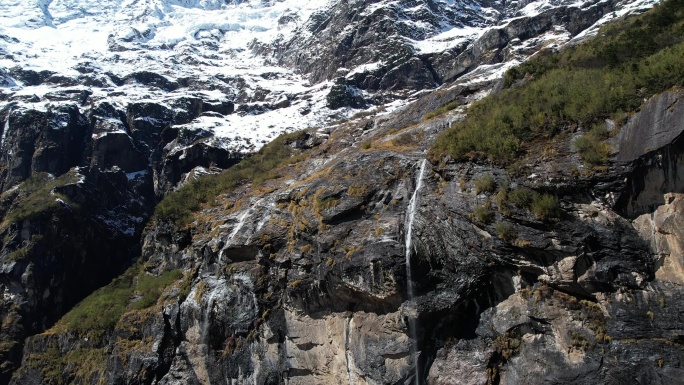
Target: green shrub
[(581, 86), (522, 197), (484, 213), (542, 206), (506, 231), (592, 151), (545, 207), (485, 184), (600, 131), (501, 198)]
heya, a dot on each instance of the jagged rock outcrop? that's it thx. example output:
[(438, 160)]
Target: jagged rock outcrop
[(379, 52), (79, 185), (306, 282), (314, 275)]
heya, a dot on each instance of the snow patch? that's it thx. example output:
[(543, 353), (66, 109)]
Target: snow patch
[(446, 40)]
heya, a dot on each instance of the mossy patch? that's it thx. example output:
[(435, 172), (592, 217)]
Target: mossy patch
[(265, 165), (97, 315), (82, 365), (35, 195)]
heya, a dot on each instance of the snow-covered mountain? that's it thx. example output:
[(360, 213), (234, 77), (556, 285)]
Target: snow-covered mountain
[(107, 106), (276, 60)]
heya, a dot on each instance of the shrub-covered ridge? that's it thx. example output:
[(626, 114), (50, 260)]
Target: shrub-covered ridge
[(179, 205), (603, 78)]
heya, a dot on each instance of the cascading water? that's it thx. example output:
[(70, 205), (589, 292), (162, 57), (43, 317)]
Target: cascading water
[(7, 154), (5, 129), (347, 346), (412, 319), (240, 223), (241, 220), (207, 316)]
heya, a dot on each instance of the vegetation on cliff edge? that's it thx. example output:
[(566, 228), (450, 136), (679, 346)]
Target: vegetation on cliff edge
[(605, 77), (33, 196), (179, 205), (98, 314)]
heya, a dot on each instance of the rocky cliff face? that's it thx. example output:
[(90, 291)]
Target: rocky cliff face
[(79, 185), (358, 261), (400, 46), (304, 279)]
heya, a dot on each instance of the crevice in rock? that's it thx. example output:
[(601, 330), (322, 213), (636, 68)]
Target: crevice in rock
[(352, 214)]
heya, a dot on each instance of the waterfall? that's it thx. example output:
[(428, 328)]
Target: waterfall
[(241, 220), (5, 129), (412, 319), (240, 223), (347, 353), (207, 314), (267, 215), (7, 153)]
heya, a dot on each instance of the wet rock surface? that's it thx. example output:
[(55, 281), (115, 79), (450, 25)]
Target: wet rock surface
[(79, 185), (305, 280)]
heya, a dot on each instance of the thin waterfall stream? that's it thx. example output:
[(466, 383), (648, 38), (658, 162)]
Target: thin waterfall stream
[(412, 319)]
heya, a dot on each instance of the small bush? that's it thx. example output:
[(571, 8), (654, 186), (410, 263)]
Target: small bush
[(600, 131), (592, 150), (506, 231), (501, 199), (545, 207), (485, 184), (522, 197), (542, 206), (484, 213)]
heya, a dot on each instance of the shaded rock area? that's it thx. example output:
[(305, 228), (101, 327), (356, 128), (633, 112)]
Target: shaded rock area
[(325, 272), (79, 185), (653, 141), (303, 279)]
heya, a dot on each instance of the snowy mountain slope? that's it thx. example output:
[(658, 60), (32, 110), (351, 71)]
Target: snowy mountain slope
[(116, 102), (177, 39), (275, 59)]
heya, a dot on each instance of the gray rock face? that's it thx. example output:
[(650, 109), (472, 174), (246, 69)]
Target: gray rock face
[(373, 42), (652, 141), (658, 124), (78, 187), (305, 280)]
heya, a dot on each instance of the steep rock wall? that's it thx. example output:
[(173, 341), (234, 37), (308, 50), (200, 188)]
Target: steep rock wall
[(305, 280)]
